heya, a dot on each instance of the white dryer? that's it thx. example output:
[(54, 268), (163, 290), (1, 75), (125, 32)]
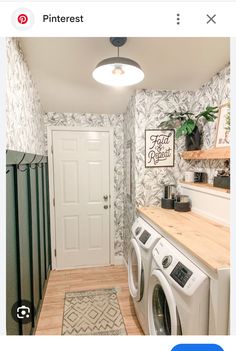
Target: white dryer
[(143, 240), (178, 294)]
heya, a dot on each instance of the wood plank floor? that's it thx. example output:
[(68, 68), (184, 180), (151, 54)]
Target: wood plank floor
[(50, 320)]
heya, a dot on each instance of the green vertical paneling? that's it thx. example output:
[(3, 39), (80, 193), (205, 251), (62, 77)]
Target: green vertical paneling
[(35, 241), (41, 225), (48, 214), (28, 233), (45, 219), (30, 241), (25, 241), (12, 254)]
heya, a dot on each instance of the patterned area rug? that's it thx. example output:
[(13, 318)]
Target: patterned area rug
[(92, 312)]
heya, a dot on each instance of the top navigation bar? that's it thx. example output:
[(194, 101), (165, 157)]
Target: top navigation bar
[(117, 19)]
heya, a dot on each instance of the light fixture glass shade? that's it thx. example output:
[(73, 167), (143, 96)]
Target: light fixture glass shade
[(118, 72)]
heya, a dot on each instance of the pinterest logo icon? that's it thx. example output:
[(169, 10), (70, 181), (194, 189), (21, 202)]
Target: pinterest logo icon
[(22, 19)]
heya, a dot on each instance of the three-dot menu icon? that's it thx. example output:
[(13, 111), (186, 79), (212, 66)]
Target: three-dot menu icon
[(178, 19)]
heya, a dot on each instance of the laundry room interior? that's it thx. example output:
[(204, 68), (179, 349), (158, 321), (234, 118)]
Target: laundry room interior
[(118, 186)]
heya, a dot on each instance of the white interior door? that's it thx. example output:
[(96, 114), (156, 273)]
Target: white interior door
[(81, 188)]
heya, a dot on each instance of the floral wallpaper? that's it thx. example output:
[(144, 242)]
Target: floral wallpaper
[(151, 108), (146, 109), (24, 113), (129, 202), (213, 93), (95, 120)]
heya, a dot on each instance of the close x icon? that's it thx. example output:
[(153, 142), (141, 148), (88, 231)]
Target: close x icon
[(211, 19)]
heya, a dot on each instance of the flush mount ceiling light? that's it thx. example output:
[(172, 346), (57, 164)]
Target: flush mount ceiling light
[(118, 71)]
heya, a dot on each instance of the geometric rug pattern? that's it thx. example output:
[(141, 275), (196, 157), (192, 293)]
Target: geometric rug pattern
[(92, 312)]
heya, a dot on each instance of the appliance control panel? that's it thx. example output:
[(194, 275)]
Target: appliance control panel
[(145, 234), (138, 230), (144, 237), (181, 274), (166, 262)]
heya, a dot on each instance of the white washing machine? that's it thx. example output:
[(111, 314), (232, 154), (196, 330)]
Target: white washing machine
[(143, 240), (178, 294)]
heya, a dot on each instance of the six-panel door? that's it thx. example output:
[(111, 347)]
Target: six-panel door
[(81, 180)]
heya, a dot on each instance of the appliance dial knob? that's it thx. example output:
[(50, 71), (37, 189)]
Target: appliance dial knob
[(138, 230), (167, 261)]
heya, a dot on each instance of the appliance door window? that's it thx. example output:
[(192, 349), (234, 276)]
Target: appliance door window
[(135, 271), (163, 315)]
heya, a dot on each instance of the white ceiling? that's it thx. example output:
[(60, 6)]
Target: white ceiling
[(62, 68)]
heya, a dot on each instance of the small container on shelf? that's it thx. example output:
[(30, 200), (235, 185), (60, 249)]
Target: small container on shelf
[(167, 203), (169, 196), (222, 179), (222, 182), (182, 203), (200, 177)]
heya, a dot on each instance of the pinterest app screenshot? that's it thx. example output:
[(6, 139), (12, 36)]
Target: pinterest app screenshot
[(117, 175)]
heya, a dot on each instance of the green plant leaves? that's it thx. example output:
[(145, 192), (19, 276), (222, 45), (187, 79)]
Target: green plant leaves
[(188, 121), (186, 128), (210, 114)]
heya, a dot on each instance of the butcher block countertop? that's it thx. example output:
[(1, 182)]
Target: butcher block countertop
[(206, 240)]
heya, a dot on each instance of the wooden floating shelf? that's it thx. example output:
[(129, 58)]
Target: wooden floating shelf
[(206, 186), (210, 154)]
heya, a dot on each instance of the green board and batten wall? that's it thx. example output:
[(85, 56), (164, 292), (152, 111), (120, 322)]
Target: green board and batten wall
[(28, 234)]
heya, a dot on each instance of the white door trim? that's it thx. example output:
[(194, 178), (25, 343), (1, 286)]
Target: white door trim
[(50, 130)]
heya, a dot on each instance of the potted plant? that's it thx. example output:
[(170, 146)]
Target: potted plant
[(186, 123)]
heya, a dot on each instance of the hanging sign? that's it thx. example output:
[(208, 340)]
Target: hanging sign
[(159, 147)]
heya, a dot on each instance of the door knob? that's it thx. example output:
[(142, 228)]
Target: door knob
[(105, 197), (105, 207)]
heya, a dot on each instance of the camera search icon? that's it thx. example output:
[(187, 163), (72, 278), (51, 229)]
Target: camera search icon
[(23, 312)]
